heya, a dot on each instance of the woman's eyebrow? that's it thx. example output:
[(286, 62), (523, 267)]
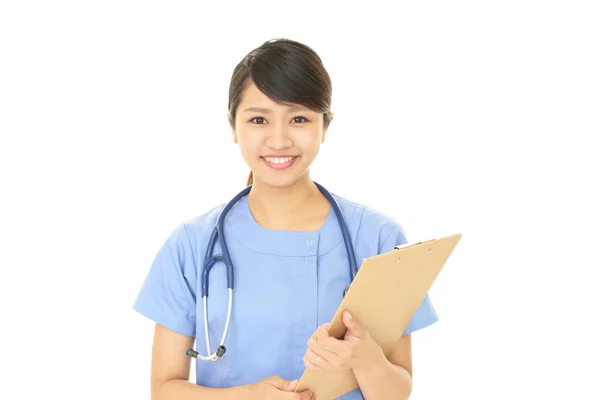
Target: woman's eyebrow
[(268, 111)]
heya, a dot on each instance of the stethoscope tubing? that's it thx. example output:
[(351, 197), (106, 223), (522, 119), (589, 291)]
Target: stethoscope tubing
[(211, 259)]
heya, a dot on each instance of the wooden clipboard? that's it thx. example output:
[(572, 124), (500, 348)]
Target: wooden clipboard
[(384, 296)]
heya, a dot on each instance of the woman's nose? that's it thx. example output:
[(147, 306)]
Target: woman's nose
[(279, 137)]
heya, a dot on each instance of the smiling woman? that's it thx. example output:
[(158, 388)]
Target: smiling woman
[(276, 137), (279, 88), (289, 244)]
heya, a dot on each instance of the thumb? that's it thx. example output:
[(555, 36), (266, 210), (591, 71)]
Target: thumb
[(354, 328), (283, 384), (291, 385)]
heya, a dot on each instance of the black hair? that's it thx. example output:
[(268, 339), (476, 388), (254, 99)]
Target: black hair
[(286, 71)]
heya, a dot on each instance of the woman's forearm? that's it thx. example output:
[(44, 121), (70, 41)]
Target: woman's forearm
[(179, 389), (384, 381)]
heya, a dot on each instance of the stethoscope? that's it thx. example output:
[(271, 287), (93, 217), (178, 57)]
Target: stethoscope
[(226, 259)]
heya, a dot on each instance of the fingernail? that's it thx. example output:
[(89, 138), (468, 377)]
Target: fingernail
[(294, 382)]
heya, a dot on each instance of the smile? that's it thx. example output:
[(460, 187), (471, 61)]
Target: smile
[(279, 162)]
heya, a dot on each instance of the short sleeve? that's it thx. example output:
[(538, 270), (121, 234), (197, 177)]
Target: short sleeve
[(425, 314), (167, 295)]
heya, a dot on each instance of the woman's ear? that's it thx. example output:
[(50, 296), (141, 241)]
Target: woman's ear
[(325, 129), (232, 126)]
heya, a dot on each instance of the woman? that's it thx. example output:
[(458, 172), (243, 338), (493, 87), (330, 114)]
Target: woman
[(291, 265)]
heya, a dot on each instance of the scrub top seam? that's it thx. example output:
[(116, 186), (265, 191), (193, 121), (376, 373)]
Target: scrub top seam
[(195, 261), (194, 257), (395, 230), (347, 219), (253, 250), (362, 214)]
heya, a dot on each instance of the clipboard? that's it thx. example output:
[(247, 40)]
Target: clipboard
[(385, 294)]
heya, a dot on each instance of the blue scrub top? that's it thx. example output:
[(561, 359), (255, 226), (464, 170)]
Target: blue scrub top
[(286, 285)]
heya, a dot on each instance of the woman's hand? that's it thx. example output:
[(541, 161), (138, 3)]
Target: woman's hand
[(276, 388), (357, 349)]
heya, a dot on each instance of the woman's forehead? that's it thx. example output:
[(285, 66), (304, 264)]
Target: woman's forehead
[(253, 100)]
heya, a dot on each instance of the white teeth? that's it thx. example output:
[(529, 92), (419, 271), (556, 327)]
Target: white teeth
[(278, 160)]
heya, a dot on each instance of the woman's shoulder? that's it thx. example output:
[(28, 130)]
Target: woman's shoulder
[(195, 228), (369, 221), (204, 223), (205, 220)]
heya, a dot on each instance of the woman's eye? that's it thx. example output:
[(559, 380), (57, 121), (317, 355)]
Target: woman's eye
[(260, 120), (299, 119)]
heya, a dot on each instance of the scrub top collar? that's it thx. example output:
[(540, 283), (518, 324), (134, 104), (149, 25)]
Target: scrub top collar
[(242, 226)]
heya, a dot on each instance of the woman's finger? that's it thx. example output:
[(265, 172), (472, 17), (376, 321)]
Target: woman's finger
[(317, 360)]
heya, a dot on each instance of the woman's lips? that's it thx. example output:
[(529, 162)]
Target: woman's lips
[(279, 163)]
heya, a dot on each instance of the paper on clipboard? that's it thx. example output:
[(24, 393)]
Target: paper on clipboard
[(385, 294)]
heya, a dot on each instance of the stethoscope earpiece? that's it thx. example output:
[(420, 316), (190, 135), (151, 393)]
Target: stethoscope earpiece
[(218, 354), (191, 353)]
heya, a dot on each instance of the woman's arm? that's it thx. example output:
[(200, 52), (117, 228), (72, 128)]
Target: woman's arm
[(388, 379), (171, 371)]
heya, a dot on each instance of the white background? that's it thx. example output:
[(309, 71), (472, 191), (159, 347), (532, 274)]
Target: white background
[(465, 116)]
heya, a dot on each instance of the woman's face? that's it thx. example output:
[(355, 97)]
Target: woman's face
[(278, 142)]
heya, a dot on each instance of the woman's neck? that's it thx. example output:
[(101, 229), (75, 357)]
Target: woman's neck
[(298, 207)]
